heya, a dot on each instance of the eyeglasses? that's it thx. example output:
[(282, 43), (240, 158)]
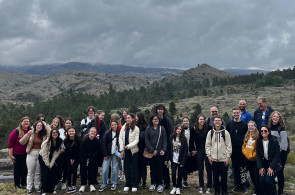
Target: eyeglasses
[(264, 131), (54, 133), (155, 119), (214, 111)]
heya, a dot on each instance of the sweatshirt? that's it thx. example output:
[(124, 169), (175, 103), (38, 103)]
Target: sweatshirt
[(249, 149)]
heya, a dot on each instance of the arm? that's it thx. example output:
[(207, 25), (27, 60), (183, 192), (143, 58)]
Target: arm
[(165, 141), (121, 140), (185, 150), (208, 144), (104, 144), (26, 138), (147, 140), (10, 151), (276, 160), (284, 140), (228, 146)]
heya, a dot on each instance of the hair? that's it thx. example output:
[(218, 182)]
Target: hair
[(43, 131), (90, 107), (61, 121), (115, 117), (197, 124), (141, 123), (235, 109), (76, 136), (20, 128), (243, 101), (132, 125), (263, 99), (152, 117), (281, 120), (96, 119), (122, 119), (159, 107), (260, 138), (217, 116), (254, 135), (174, 134), (39, 116), (58, 126), (117, 130), (68, 119), (185, 118), (59, 141)]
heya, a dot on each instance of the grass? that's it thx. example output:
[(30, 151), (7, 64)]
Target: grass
[(291, 158), (8, 189)]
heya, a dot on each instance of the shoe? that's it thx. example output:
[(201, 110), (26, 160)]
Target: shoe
[(122, 178), (160, 188), (134, 189), (208, 191), (185, 184), (92, 188), (63, 186), (30, 191), (37, 190), (102, 188), (173, 190), (114, 186), (69, 189), (235, 189), (200, 190), (17, 187), (54, 192), (55, 187), (152, 187), (244, 189), (82, 189), (178, 191), (43, 193), (74, 189), (126, 189)]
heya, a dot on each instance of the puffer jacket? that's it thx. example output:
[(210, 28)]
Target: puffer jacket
[(45, 152), (133, 139)]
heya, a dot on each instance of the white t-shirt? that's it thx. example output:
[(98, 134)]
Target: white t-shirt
[(265, 149), (62, 134), (114, 145), (176, 149)]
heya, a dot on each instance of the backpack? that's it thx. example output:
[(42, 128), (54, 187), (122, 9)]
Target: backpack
[(279, 131), (222, 135)]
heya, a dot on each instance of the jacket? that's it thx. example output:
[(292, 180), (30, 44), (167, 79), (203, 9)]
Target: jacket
[(151, 139), (182, 151), (133, 139), (217, 148), (45, 152), (249, 149), (107, 143), (89, 149), (72, 149), (198, 140), (258, 116)]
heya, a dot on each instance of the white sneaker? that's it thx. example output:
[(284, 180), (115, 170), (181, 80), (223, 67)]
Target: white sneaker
[(200, 190), (208, 191), (126, 189), (54, 192), (173, 190), (134, 189), (82, 189), (63, 186), (92, 188), (55, 187), (178, 191), (43, 194)]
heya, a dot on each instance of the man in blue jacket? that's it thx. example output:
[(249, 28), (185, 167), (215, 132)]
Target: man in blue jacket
[(261, 115)]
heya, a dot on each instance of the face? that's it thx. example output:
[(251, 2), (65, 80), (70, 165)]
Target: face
[(251, 127), (160, 111), (91, 113), (41, 118), (129, 119), (101, 116), (262, 105), (155, 120), (275, 118), (92, 133), (68, 123), (54, 123), (54, 134), (185, 122), (71, 132), (214, 112), (201, 120), (39, 127), (264, 132), (124, 114), (217, 122), (114, 126), (236, 114), (178, 130), (136, 118), (242, 105), (25, 124)]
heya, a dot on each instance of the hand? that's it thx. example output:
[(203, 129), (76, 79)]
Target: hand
[(118, 159), (30, 132), (12, 159), (106, 157), (226, 162), (162, 153), (126, 147), (210, 160), (181, 165), (194, 152), (165, 163), (155, 152), (122, 154), (72, 161), (270, 171), (261, 171), (188, 154)]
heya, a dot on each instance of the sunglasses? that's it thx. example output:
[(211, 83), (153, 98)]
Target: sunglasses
[(264, 131)]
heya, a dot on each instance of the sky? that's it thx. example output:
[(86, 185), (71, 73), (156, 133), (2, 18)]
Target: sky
[(149, 33)]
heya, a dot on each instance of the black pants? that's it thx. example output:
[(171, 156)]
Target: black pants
[(252, 168), (88, 172), (174, 167), (156, 165), (219, 169), (280, 174), (201, 157), (239, 166), (131, 169), (64, 167), (72, 170), (142, 172), (20, 170), (166, 174)]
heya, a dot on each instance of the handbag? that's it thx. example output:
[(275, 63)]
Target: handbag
[(148, 154)]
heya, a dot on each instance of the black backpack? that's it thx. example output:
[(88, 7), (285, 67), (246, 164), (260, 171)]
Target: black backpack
[(222, 135), (279, 131)]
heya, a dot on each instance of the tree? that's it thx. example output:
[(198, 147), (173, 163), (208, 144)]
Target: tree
[(172, 108), (197, 110)]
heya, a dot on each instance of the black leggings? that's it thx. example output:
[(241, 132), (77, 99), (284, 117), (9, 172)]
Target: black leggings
[(72, 170), (174, 167), (201, 158), (280, 174), (20, 170)]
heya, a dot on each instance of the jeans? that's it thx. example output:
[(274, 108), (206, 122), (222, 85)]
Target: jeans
[(20, 170), (105, 170), (267, 184), (174, 167), (34, 175)]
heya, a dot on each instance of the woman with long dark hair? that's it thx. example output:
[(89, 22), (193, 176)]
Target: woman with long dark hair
[(268, 160), (124, 116), (33, 139), (128, 140), (50, 162), (17, 152)]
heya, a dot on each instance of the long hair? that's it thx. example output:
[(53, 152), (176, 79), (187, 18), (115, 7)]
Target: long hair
[(160, 106), (281, 120), (122, 119), (58, 126), (132, 125), (260, 138), (254, 135), (58, 140), (141, 123), (61, 121), (151, 119), (43, 131), (181, 136), (39, 116), (197, 130), (20, 128), (96, 119), (117, 130), (115, 117), (68, 119)]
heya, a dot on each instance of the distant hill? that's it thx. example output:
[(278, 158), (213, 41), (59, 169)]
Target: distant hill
[(245, 71)]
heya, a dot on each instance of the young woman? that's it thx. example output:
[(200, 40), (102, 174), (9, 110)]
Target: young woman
[(72, 152), (278, 129), (50, 162), (89, 149), (128, 140), (177, 154), (17, 152), (33, 139), (109, 146), (268, 160), (156, 143), (249, 151), (142, 172), (197, 148), (124, 116)]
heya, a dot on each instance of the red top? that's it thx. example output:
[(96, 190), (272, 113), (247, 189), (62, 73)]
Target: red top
[(99, 123), (13, 142)]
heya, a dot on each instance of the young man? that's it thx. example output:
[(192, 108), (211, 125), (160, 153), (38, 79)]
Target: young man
[(84, 122), (218, 150)]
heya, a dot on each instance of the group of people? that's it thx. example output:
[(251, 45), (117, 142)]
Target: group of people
[(43, 154)]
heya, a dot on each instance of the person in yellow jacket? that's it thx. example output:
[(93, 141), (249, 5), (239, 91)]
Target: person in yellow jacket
[(249, 151)]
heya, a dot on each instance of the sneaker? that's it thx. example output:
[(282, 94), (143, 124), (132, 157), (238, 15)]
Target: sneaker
[(38, 190), (114, 186), (74, 189), (178, 191), (92, 188), (200, 190), (244, 189), (69, 190), (152, 187), (82, 189), (63, 186), (173, 190), (55, 187), (43, 193), (160, 188), (102, 188), (134, 189), (17, 187), (235, 189), (30, 191), (185, 184), (208, 191), (122, 178), (54, 192), (126, 189)]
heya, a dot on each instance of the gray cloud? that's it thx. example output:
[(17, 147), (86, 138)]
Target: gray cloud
[(174, 33)]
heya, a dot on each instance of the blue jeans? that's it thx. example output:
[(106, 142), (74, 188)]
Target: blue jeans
[(105, 170)]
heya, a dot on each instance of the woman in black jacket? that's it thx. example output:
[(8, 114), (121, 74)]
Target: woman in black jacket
[(72, 151), (268, 160), (177, 154)]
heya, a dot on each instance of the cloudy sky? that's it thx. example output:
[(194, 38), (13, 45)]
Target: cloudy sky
[(149, 33)]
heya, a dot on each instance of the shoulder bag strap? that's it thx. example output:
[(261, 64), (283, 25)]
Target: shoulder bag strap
[(158, 138)]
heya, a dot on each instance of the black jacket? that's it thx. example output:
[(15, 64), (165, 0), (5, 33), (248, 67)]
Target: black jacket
[(274, 155), (258, 116), (72, 150), (108, 142), (182, 151), (198, 140), (101, 131), (151, 138), (89, 149)]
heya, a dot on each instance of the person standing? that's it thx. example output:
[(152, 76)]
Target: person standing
[(84, 122), (262, 113), (210, 120), (245, 116)]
